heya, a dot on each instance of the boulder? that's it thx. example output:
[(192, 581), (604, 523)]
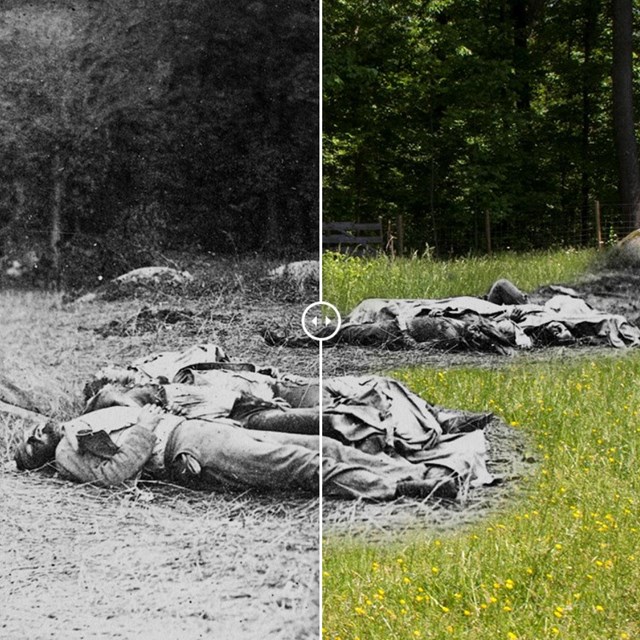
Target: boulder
[(128, 283), (625, 253)]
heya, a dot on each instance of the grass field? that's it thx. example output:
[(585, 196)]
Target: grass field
[(347, 280), (562, 560)]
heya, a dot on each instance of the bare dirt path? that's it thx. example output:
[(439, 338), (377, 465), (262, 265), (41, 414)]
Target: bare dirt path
[(82, 563)]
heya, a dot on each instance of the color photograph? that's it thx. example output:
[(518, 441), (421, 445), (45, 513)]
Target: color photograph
[(481, 200)]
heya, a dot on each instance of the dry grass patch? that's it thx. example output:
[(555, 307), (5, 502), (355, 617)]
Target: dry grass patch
[(81, 562)]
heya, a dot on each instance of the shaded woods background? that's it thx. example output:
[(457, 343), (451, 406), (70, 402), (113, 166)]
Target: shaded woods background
[(129, 126), (451, 112)]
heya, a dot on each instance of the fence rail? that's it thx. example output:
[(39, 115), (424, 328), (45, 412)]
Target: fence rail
[(353, 236)]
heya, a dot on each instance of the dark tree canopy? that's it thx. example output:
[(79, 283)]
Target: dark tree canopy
[(169, 124), (451, 113)]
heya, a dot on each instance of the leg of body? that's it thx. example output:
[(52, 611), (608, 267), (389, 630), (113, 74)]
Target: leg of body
[(297, 394), (233, 457), (351, 473), (371, 334), (304, 421)]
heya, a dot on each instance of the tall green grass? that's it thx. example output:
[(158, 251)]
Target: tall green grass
[(347, 280), (561, 562)]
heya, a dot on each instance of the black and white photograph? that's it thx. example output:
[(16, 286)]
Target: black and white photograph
[(159, 221)]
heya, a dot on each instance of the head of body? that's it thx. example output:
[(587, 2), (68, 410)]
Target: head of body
[(38, 446)]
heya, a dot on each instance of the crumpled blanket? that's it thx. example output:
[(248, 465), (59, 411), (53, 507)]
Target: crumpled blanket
[(171, 366), (583, 321), (380, 415)]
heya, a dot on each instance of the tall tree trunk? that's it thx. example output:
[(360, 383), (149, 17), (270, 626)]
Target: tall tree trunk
[(520, 18), (55, 233), (589, 32), (20, 211), (625, 141)]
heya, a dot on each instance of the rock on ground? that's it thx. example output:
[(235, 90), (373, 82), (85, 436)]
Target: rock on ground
[(146, 275), (142, 277), (301, 272)]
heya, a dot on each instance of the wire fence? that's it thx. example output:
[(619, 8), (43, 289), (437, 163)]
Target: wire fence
[(602, 225)]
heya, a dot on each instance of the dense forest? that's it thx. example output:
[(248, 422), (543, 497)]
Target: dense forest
[(128, 126), (471, 115)]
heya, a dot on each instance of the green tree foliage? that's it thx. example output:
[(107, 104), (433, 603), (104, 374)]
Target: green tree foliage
[(128, 126), (451, 111)]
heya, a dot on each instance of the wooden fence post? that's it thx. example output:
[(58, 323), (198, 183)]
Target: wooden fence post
[(598, 225), (400, 234), (487, 230)]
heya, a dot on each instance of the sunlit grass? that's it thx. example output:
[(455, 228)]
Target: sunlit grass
[(561, 562), (348, 280)]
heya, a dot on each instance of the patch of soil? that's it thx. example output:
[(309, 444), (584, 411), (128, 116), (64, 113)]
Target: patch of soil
[(614, 292), (147, 320), (162, 562), (510, 461)]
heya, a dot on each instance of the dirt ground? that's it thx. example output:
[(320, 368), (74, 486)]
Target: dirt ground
[(78, 562)]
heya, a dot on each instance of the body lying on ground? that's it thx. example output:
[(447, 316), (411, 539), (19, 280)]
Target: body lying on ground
[(217, 424), (500, 322)]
